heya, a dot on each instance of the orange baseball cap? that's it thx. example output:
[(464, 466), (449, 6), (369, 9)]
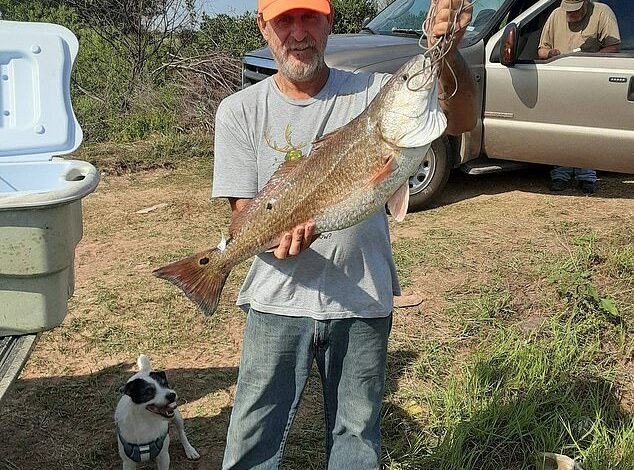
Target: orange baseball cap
[(272, 8)]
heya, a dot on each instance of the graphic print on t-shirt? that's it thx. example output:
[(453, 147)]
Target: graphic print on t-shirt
[(291, 151)]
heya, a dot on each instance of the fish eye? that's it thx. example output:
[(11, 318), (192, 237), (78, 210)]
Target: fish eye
[(405, 76)]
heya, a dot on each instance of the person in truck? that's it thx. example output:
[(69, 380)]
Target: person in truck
[(578, 26)]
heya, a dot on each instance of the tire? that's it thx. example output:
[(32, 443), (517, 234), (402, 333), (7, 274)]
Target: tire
[(432, 175)]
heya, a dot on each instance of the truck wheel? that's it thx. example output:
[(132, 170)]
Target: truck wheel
[(431, 177)]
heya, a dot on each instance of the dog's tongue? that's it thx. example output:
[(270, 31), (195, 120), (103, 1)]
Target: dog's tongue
[(165, 411)]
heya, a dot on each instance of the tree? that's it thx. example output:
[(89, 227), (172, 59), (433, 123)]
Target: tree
[(141, 31), (349, 14)]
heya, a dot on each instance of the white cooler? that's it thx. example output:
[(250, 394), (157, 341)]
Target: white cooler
[(40, 193)]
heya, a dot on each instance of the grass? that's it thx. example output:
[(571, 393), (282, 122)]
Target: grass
[(517, 395), (162, 151), (523, 344)]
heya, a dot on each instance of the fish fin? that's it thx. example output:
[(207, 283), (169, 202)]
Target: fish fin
[(270, 246), (200, 276), (399, 202), (280, 175), (389, 165), (223, 242), (143, 362), (321, 141)]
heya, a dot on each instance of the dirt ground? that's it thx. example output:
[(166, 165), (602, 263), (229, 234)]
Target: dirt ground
[(59, 412)]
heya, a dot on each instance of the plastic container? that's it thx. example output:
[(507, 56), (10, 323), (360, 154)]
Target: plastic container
[(40, 193)]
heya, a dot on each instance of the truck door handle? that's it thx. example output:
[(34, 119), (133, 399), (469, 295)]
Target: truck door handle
[(630, 91)]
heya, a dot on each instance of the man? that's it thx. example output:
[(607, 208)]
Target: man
[(578, 25), (331, 303)]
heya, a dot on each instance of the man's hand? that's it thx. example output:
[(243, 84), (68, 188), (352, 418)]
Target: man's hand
[(441, 24), (292, 244), (553, 53)]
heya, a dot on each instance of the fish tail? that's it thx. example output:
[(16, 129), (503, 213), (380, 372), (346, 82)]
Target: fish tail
[(200, 276)]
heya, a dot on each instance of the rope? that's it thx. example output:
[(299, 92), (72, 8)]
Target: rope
[(440, 49)]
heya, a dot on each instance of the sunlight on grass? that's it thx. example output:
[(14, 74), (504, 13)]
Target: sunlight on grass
[(434, 248), (523, 343), (519, 394)]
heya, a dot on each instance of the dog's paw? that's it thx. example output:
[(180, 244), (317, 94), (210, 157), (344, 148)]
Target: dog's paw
[(191, 453)]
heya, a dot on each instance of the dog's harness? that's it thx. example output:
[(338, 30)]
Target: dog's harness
[(142, 452)]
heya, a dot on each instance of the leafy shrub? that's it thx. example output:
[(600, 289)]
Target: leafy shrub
[(115, 101), (349, 14), (235, 35), (46, 11)]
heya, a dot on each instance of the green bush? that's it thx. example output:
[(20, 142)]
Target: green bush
[(235, 35), (40, 10), (152, 110), (349, 14), (109, 99)]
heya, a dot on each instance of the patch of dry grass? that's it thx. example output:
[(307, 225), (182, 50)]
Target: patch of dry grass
[(483, 261)]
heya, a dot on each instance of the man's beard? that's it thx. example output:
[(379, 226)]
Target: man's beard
[(295, 70)]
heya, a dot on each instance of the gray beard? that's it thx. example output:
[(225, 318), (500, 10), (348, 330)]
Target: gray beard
[(301, 72)]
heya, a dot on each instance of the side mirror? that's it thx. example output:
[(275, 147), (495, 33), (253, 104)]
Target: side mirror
[(366, 20), (508, 45)]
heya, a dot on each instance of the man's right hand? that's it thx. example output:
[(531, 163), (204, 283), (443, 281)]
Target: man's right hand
[(292, 244), (553, 53)]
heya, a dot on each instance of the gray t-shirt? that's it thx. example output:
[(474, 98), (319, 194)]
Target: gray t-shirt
[(343, 274)]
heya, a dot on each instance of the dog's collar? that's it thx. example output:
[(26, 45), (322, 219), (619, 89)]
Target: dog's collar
[(142, 452)]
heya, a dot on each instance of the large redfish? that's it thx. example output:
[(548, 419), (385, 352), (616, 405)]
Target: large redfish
[(348, 175)]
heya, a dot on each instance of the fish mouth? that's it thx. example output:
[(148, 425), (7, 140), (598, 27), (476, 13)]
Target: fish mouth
[(166, 412)]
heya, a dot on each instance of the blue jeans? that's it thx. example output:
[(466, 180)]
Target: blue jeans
[(566, 174), (277, 357)]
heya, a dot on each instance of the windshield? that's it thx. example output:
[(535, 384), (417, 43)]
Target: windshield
[(407, 16)]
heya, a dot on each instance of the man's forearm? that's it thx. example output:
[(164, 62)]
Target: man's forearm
[(542, 53), (460, 109)]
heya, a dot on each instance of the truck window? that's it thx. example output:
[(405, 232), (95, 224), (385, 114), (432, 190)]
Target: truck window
[(408, 16), (530, 34)]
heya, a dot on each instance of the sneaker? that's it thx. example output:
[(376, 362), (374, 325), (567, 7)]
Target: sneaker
[(558, 185), (588, 187)]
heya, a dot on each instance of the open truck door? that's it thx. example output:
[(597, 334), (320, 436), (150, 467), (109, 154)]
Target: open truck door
[(542, 111)]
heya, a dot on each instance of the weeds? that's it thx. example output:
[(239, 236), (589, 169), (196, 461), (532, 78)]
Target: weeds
[(434, 248), (159, 152), (469, 386), (517, 395)]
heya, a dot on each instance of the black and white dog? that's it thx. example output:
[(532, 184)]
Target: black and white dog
[(142, 419)]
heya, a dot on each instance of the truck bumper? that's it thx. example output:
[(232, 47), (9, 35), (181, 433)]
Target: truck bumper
[(14, 351)]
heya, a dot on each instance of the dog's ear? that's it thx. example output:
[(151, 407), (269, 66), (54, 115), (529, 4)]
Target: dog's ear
[(139, 390), (160, 377)]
